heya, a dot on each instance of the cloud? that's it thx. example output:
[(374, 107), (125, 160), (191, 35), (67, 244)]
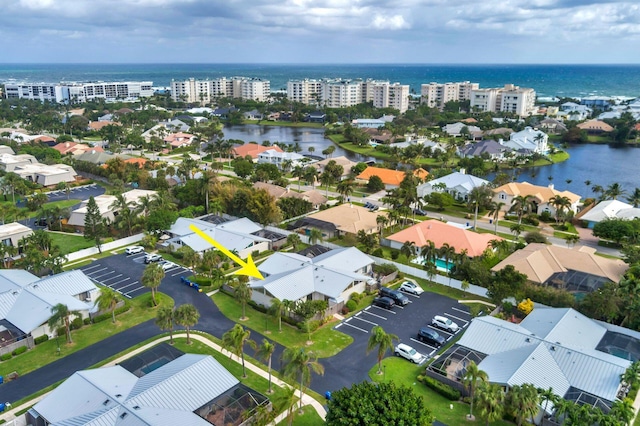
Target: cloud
[(320, 30)]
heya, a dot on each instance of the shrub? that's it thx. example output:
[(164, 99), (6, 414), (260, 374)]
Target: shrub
[(535, 237), (357, 297), (352, 305), (107, 316), (442, 388), (41, 339), (5, 357), (531, 219), (86, 321), (76, 324), (549, 296), (61, 332), (545, 216), (344, 310), (386, 268), (20, 350), (259, 308), (378, 252), (526, 306)]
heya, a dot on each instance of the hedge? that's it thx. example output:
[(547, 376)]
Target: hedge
[(108, 316), (20, 350), (41, 339), (6, 357), (352, 305), (442, 388)]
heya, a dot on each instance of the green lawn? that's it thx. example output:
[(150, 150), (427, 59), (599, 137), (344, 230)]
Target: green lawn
[(70, 243), (326, 341), (404, 373), (309, 417), (46, 352)]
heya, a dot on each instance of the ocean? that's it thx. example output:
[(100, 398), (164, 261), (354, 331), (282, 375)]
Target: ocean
[(547, 80)]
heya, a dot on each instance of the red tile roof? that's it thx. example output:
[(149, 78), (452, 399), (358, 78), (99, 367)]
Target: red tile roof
[(253, 150), (389, 177)]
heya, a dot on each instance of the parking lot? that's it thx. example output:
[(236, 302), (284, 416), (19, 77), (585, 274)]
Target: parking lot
[(123, 273), (405, 321)]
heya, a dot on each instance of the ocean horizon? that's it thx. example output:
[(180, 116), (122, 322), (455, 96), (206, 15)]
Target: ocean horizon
[(563, 80)]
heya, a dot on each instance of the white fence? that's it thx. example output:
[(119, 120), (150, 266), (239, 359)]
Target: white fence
[(105, 247)]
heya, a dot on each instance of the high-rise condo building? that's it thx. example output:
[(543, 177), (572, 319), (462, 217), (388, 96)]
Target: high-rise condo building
[(79, 92), (510, 98), (436, 95), (205, 91)]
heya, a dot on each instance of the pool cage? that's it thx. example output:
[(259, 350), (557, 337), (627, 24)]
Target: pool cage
[(452, 364), (233, 408), (620, 345), (576, 282), (151, 359)]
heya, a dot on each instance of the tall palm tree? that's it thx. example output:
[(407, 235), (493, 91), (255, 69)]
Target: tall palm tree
[(298, 172), (205, 182), (123, 210), (560, 203), (546, 396), (243, 293), (522, 205), (345, 188), (634, 198), (381, 340), (471, 378), (151, 278), (187, 316), (285, 401), (614, 191), (494, 212), (447, 253), (622, 411), (61, 317), (315, 236), (408, 248), (381, 221), (165, 320), (298, 364), (234, 341), (277, 309), (479, 196), (265, 352), (523, 402), (108, 300), (490, 401)]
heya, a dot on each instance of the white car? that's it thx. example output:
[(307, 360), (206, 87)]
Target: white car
[(409, 287), (134, 250), (444, 323), (407, 352), (168, 265)]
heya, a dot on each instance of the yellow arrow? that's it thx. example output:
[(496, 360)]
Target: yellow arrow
[(248, 268)]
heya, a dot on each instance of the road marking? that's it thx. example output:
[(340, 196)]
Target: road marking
[(406, 293), (128, 285), (90, 267), (439, 330), (374, 315), (121, 281), (460, 310), (424, 344), (353, 326), (108, 273), (383, 309), (98, 271), (113, 278), (132, 291), (364, 320), (183, 270), (458, 318)]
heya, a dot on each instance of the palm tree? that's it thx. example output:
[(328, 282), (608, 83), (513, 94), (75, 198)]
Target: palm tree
[(634, 198), (560, 203), (547, 396), (630, 375), (523, 402), (382, 221), (447, 253), (614, 191), (315, 236), (234, 341), (517, 229), (345, 188), (243, 294), (61, 317), (298, 364), (108, 300), (123, 211), (383, 341), (298, 172), (521, 205), (598, 189), (471, 378), (285, 400), (294, 240), (276, 309), (151, 278), (622, 411), (165, 319), (408, 248), (187, 316), (207, 179), (494, 212), (479, 197), (490, 401), (265, 352)]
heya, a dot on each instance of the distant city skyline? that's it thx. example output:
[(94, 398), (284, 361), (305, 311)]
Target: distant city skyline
[(321, 31)]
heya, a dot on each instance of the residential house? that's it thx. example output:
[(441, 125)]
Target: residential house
[(223, 112), (458, 184), (456, 129), (575, 269), (106, 118), (540, 196), (105, 205), (552, 348), (314, 197), (488, 147), (165, 127), (574, 111), (74, 148), (193, 389), (26, 300), (339, 220), (96, 126), (595, 127), (316, 117), (98, 157), (253, 150), (390, 178), (240, 235), (343, 161), (12, 233), (529, 140), (179, 140), (6, 149), (371, 123), (379, 136), (254, 114), (501, 132), (331, 276), (277, 157), (553, 126), (46, 175), (462, 240), (609, 209), (9, 162)]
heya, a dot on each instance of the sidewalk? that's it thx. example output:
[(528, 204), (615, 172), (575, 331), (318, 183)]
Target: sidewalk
[(306, 399)]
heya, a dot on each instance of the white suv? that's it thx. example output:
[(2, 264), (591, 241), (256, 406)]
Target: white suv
[(407, 352), (134, 250), (409, 287), (444, 323)]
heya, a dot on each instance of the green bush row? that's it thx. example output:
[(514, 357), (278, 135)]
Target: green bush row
[(107, 316), (41, 339), (443, 389)]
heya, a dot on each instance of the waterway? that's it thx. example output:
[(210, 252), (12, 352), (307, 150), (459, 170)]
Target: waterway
[(599, 164)]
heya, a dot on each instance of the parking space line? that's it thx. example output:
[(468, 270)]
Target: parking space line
[(410, 294), (113, 278), (132, 291), (364, 320), (128, 285), (121, 281), (460, 310), (96, 272), (135, 256), (353, 326), (183, 270), (386, 310), (374, 315), (458, 318), (108, 273), (424, 344), (439, 330)]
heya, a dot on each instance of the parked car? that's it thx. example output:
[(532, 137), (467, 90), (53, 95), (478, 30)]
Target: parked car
[(407, 352), (42, 222), (150, 258), (384, 302), (368, 205), (167, 265), (397, 297), (420, 212), (427, 335), (409, 287), (134, 250), (444, 323)]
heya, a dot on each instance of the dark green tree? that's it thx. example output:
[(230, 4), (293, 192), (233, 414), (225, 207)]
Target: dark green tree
[(95, 227)]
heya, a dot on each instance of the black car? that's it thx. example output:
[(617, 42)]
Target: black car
[(428, 335), (397, 296), (420, 212), (384, 302)]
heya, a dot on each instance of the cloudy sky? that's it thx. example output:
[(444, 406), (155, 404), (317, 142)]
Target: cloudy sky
[(321, 31)]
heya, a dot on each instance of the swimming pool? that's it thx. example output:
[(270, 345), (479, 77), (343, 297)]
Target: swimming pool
[(154, 365)]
